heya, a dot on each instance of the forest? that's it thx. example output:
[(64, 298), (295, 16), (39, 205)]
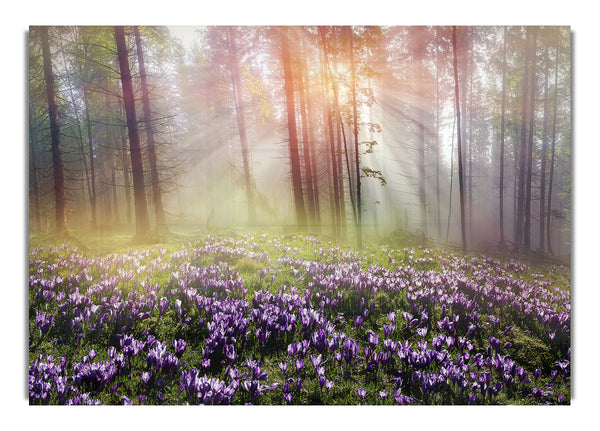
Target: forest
[(334, 215), (347, 131)]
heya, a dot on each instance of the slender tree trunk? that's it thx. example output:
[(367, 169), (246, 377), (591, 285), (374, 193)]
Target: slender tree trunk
[(34, 193), (241, 122), (306, 143), (75, 110), (126, 179), (438, 217), (532, 86), (340, 129), (340, 164), (356, 151), (470, 221), (57, 163), (142, 223), (542, 233), (502, 127), (460, 163), (333, 157), (451, 176), (113, 177), (293, 136), (550, 179), (523, 150), (159, 212), (92, 162)]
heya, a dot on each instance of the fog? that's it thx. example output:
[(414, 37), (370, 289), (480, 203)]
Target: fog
[(226, 119)]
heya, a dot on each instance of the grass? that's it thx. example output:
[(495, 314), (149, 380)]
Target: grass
[(276, 263)]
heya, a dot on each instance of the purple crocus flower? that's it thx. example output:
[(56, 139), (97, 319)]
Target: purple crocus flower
[(358, 320), (283, 366), (299, 364), (361, 394), (180, 346), (536, 374), (329, 385), (126, 401), (316, 360), (383, 394), (372, 338), (392, 316), (146, 377)]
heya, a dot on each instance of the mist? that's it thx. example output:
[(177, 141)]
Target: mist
[(346, 132)]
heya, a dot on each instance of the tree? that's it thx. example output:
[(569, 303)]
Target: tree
[(502, 136), (142, 223), (460, 160), (241, 121), (161, 222), (57, 162), (356, 151), (292, 131), (531, 121)]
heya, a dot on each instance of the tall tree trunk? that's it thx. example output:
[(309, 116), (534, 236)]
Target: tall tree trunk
[(159, 212), (356, 151), (531, 121), (550, 179), (142, 223), (113, 177), (523, 150), (293, 136), (34, 193), (542, 235), (502, 127), (451, 176), (241, 121), (306, 143), (438, 215), (57, 163), (340, 164), (75, 110), (92, 162), (333, 156), (342, 131), (126, 179), (460, 162)]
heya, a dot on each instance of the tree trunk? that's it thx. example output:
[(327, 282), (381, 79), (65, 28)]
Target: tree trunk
[(241, 121), (341, 130), (334, 164), (92, 163), (291, 125), (356, 150), (542, 239), (532, 85), (502, 127), (306, 143), (523, 150), (126, 179), (57, 163), (438, 215), (550, 179), (34, 194), (460, 163), (142, 224), (159, 212)]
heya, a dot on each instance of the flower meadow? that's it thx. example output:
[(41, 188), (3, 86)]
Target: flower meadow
[(268, 319)]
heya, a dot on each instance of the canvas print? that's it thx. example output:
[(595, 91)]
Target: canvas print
[(299, 215)]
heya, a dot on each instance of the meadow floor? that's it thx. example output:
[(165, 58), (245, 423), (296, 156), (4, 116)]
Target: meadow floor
[(273, 319)]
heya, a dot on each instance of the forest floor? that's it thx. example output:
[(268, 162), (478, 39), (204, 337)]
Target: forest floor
[(266, 318)]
